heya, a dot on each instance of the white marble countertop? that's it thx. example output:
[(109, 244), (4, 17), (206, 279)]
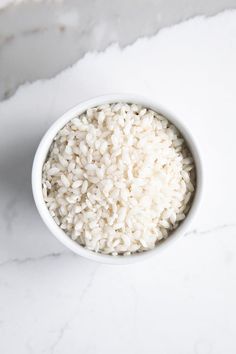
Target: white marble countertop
[(182, 301)]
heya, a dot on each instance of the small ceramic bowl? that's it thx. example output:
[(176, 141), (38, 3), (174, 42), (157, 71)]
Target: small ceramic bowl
[(41, 155)]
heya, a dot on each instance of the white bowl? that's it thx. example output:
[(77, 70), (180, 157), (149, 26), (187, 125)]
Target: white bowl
[(41, 155)]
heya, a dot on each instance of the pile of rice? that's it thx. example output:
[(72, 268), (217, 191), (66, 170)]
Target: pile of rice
[(118, 179)]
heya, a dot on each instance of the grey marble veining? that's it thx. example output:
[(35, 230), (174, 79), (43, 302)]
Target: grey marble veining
[(39, 39), (180, 301), (66, 253)]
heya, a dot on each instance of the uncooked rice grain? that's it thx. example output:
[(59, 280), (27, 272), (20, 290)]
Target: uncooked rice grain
[(118, 179)]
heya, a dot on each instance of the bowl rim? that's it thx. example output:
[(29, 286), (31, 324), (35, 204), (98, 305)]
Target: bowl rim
[(41, 154)]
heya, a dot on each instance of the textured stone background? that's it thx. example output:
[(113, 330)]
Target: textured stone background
[(40, 38)]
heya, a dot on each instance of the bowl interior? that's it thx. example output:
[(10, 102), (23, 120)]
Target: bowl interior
[(41, 155)]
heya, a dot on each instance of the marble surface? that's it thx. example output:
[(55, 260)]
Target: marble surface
[(40, 38), (182, 301)]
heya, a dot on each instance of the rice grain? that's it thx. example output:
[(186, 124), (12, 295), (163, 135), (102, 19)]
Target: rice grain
[(118, 179)]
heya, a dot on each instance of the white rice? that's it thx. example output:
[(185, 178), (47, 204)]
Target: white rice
[(118, 179)]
